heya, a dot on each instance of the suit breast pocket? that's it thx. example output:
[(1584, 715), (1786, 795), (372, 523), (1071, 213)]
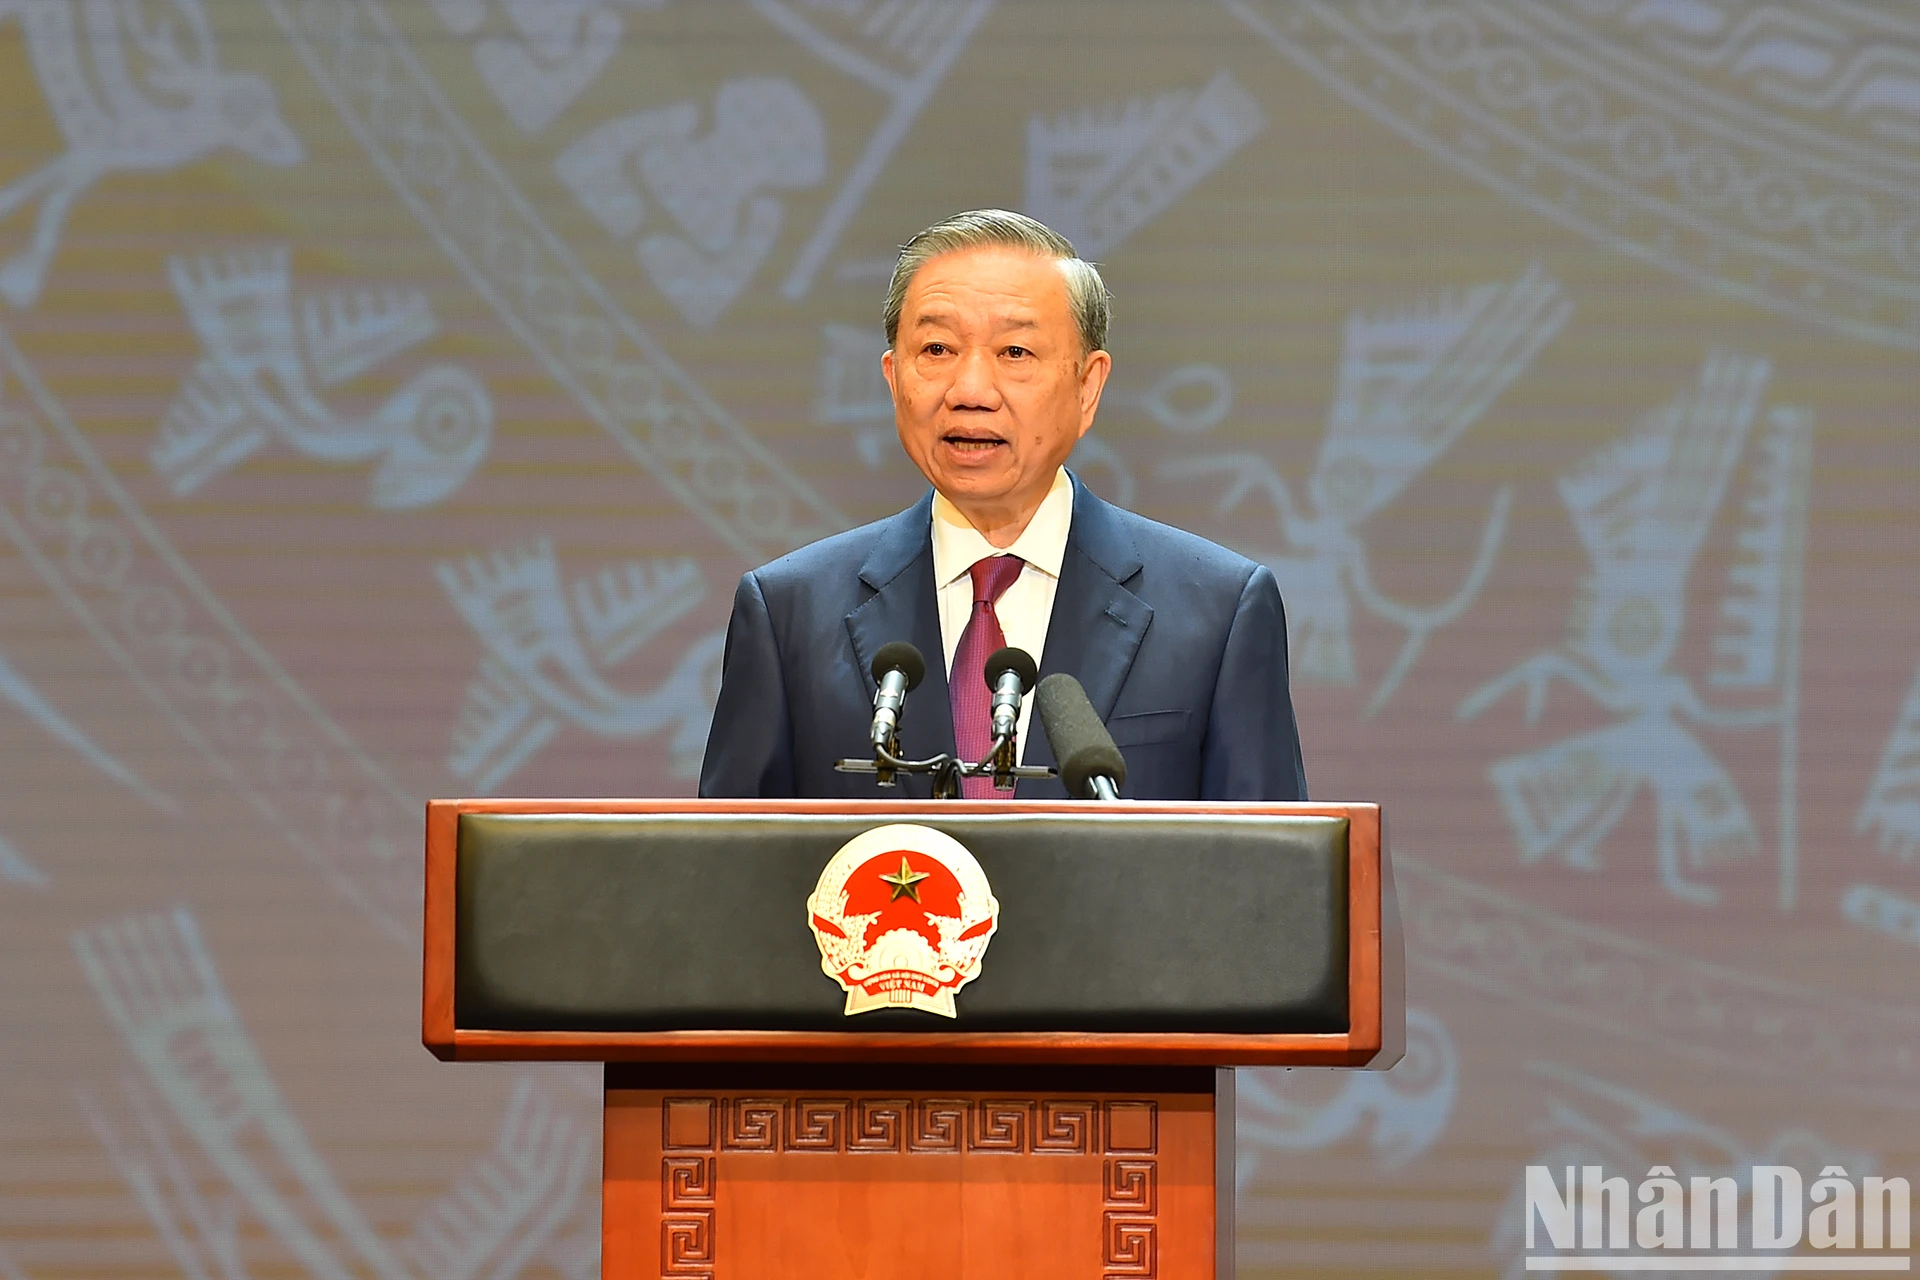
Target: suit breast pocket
[(1144, 728)]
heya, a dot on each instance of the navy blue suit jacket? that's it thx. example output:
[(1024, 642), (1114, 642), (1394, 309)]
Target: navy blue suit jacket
[(1180, 643)]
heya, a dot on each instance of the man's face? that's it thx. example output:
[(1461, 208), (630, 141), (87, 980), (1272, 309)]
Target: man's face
[(990, 391)]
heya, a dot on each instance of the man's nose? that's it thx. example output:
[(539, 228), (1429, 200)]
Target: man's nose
[(974, 384)]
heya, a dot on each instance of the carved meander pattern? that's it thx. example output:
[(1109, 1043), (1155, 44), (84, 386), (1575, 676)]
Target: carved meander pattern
[(694, 1131)]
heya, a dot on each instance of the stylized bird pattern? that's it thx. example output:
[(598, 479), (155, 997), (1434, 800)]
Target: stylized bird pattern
[(1411, 382), (129, 98), (503, 1214), (1642, 507), (159, 986), (205, 1076), (1409, 1106), (1097, 176), (1590, 1121), (547, 649), (259, 375)]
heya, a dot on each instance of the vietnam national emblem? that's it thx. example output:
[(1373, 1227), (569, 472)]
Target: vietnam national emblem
[(903, 915)]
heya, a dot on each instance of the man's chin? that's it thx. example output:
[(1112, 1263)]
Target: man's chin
[(964, 489), (983, 473)]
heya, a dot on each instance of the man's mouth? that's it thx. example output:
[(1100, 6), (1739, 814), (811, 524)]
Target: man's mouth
[(972, 442)]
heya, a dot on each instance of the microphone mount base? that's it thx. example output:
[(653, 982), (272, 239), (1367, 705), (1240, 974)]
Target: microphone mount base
[(947, 770)]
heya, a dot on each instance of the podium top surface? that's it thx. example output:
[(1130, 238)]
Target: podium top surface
[(1151, 933)]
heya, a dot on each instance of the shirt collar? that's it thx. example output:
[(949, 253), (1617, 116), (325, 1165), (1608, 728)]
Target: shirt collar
[(1042, 544)]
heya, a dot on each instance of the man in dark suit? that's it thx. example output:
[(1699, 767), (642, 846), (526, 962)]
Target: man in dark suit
[(996, 357)]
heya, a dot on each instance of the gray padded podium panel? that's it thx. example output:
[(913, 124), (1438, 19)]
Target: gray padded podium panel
[(1108, 922)]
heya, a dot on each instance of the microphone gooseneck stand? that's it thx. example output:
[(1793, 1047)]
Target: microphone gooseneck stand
[(897, 669)]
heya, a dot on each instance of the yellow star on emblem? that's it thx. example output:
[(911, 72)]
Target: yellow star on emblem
[(906, 880)]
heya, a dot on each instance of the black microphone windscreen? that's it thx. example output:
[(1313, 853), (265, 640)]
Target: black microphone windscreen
[(902, 657), (1081, 744), (1012, 659)]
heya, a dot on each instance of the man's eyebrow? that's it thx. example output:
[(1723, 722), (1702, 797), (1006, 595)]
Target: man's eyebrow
[(928, 319)]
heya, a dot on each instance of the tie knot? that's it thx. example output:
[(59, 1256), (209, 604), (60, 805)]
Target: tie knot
[(993, 575)]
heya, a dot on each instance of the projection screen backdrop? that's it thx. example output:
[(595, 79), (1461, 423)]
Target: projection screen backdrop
[(391, 392)]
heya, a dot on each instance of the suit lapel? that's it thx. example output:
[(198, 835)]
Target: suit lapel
[(899, 571), (1093, 634), (1097, 622)]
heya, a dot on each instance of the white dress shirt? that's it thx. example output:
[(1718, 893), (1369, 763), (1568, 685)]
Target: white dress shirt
[(1027, 606)]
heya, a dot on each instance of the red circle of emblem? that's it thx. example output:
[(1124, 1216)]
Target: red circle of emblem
[(903, 915)]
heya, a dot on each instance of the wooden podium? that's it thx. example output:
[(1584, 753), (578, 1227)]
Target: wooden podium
[(1073, 1120)]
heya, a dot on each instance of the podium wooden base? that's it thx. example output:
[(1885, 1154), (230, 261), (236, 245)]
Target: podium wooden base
[(913, 1173)]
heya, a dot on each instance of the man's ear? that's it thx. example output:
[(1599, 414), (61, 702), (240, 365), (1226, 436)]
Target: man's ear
[(886, 371), (1093, 380)]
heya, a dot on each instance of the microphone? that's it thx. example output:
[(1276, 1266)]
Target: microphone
[(1090, 765), (897, 669), (1010, 673)]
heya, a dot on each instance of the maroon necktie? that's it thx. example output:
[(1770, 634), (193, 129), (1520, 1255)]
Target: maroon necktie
[(967, 683)]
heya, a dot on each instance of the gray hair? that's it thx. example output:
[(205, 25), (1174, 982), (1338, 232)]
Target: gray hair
[(1087, 295)]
